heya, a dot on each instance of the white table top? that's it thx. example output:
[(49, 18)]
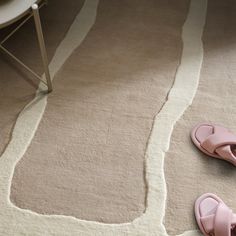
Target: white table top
[(12, 10)]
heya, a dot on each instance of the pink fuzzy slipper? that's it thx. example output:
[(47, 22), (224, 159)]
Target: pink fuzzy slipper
[(214, 218), (215, 141)]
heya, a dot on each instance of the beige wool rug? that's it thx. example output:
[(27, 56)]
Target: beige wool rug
[(108, 152), (87, 156), (188, 172)]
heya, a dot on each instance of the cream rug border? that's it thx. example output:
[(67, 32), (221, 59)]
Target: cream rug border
[(16, 221)]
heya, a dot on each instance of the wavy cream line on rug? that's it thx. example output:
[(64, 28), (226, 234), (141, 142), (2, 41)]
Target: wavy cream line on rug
[(179, 99), (16, 221)]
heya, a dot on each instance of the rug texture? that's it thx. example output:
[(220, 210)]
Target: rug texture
[(189, 173), (97, 156), (87, 157)]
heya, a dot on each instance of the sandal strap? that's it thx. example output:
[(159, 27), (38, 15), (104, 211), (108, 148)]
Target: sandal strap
[(208, 223), (223, 220), (220, 138)]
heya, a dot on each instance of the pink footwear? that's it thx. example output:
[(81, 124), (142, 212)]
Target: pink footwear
[(215, 141), (214, 218)]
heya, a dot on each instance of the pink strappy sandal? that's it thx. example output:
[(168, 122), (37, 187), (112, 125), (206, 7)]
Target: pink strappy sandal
[(215, 141), (214, 218)]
